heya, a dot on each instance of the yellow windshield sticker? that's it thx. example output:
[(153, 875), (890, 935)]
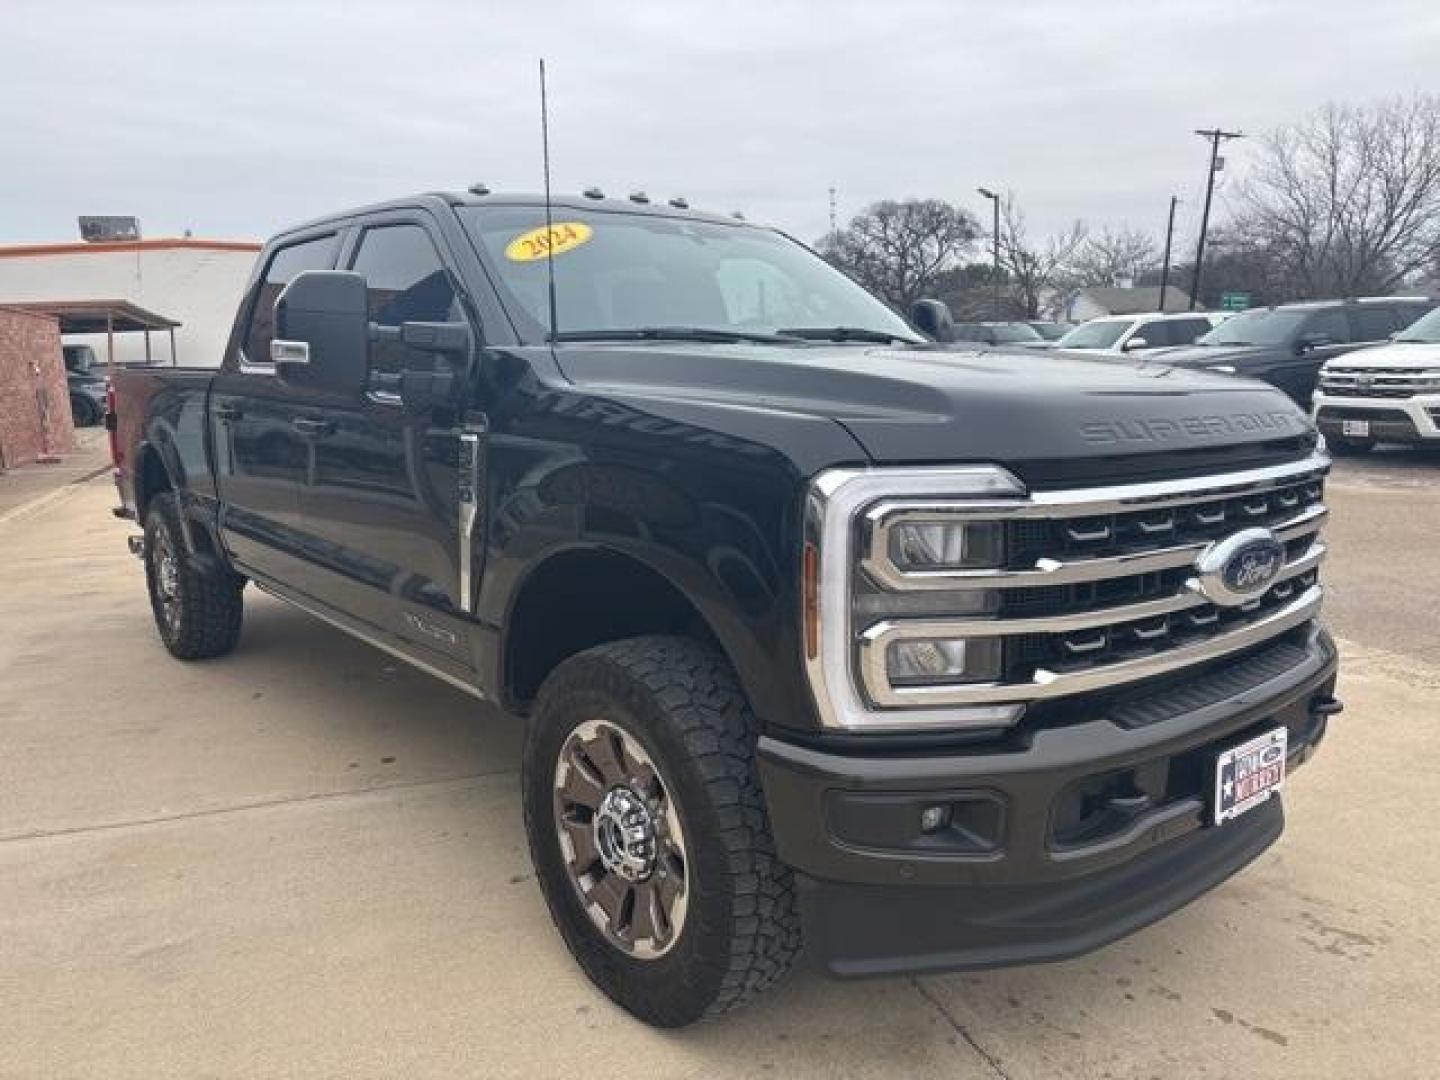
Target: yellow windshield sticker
[(536, 244)]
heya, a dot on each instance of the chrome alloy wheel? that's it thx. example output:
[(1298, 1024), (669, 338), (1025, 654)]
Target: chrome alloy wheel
[(621, 839), (166, 568)]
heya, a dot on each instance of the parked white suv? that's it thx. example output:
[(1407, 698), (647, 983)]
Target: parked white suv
[(1390, 393), (1116, 334)]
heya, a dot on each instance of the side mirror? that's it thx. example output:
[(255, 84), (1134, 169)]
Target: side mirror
[(450, 342), (322, 335), (1136, 343), (933, 319)]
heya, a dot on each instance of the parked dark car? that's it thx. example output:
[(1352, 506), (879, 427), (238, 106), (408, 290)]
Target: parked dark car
[(822, 634), (998, 333), (1287, 345), (86, 384)]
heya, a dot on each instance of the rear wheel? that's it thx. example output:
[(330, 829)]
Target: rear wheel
[(197, 604), (648, 830), (83, 411)]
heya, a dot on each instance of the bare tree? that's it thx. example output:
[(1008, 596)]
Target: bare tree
[(1037, 272), (1115, 256), (1348, 201), (903, 250)]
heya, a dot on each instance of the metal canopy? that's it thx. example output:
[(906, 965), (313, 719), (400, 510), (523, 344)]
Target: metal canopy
[(97, 316), (108, 317)]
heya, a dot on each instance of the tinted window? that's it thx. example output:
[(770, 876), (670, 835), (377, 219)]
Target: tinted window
[(406, 282), (1185, 331), (1331, 325), (1258, 326), (317, 254), (1156, 334), (1375, 323)]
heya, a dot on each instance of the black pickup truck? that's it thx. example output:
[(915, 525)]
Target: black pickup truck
[(828, 639)]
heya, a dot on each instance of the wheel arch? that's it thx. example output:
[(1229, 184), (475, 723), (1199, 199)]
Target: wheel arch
[(581, 596)]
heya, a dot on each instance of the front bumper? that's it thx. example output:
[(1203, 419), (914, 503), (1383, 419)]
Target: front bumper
[(1403, 420), (1063, 839)]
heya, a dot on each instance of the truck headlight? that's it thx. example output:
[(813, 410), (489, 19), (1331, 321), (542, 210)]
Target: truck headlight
[(893, 559), (940, 545)]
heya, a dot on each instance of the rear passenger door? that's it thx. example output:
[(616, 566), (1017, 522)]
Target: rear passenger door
[(1298, 373), (261, 458)]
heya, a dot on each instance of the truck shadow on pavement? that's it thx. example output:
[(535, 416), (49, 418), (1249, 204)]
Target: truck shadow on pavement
[(396, 727)]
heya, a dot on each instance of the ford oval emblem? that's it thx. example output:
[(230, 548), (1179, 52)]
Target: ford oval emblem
[(1241, 567)]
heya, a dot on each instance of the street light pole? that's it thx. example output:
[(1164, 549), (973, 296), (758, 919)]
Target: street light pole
[(1165, 266), (1216, 137), (994, 247)]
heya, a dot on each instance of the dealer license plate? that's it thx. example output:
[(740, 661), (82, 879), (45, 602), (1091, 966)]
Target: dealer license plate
[(1248, 774), (1355, 429)]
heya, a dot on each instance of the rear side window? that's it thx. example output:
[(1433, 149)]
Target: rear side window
[(1185, 331), (407, 282), (284, 265), (1331, 325), (1376, 323), (1156, 334)]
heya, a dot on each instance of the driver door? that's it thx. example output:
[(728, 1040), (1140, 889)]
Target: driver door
[(382, 502)]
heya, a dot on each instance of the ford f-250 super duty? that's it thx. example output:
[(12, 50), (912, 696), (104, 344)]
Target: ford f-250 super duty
[(824, 635)]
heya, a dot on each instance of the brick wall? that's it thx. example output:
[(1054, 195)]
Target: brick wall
[(34, 401)]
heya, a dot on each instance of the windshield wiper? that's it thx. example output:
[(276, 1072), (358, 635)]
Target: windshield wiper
[(845, 333), (676, 333)]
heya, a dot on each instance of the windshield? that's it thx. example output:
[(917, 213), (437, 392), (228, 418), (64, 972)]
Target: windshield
[(1261, 326), (1007, 332), (1425, 330), (618, 273), (1093, 335)]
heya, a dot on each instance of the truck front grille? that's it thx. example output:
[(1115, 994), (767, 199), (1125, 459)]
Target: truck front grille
[(1100, 587), (1372, 382)]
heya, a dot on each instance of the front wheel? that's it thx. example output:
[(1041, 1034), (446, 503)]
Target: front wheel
[(648, 830), (197, 605)]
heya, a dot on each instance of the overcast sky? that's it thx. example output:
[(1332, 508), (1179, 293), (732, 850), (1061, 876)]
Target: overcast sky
[(235, 119)]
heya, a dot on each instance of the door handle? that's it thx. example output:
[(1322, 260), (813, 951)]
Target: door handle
[(312, 428), (228, 412)]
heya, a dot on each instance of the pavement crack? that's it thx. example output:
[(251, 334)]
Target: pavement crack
[(959, 1029), (240, 808)]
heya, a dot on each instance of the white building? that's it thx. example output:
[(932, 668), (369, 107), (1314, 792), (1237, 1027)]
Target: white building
[(198, 283)]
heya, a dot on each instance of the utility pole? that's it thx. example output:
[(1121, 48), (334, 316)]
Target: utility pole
[(994, 248), (834, 228), (1216, 137), (1165, 266)]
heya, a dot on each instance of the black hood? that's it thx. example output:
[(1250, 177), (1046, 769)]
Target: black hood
[(1210, 355), (1035, 411)]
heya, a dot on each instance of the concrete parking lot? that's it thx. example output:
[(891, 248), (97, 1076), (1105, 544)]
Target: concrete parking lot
[(307, 860)]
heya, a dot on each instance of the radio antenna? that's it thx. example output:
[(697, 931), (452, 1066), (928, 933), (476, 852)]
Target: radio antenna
[(549, 224)]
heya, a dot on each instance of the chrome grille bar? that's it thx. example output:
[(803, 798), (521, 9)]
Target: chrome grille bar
[(1052, 684)]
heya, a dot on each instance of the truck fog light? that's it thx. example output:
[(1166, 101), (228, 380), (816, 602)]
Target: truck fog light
[(937, 661), (934, 818), (942, 545)]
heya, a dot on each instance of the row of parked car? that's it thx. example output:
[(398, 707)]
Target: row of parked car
[(1386, 389)]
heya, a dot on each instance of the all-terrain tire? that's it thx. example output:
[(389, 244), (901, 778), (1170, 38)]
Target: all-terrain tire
[(680, 700), (197, 604)]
